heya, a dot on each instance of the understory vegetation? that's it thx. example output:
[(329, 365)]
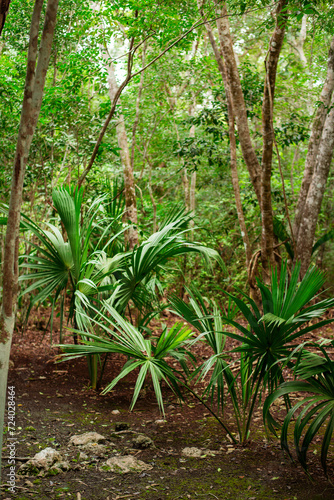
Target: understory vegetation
[(174, 160)]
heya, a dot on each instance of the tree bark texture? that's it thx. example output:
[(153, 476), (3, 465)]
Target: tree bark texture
[(233, 146), (4, 7), (315, 138), (237, 97), (275, 46), (315, 194), (32, 101), (298, 43), (136, 120), (131, 234)]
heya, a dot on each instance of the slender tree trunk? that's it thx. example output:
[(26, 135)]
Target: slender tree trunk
[(275, 46), (315, 194), (4, 7), (154, 205), (32, 100), (298, 44), (192, 190), (237, 97), (315, 138), (233, 146), (129, 182), (136, 120)]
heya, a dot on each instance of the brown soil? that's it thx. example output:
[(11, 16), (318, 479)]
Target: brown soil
[(54, 402)]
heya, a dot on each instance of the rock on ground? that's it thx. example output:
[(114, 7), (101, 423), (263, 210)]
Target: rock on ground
[(193, 452), (141, 442), (87, 438), (47, 460), (126, 464)]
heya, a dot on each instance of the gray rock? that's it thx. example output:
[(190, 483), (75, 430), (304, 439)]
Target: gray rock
[(87, 438), (141, 442), (125, 464), (46, 461), (192, 452)]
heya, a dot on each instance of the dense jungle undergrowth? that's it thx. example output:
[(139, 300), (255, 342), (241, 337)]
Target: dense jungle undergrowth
[(55, 402)]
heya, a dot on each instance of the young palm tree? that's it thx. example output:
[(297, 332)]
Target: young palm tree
[(315, 377)]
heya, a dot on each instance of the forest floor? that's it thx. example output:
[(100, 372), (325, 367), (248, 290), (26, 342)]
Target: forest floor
[(54, 402)]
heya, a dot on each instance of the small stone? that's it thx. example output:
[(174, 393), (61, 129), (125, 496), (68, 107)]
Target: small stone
[(192, 452), (121, 426), (160, 422), (115, 412), (125, 464), (87, 438), (141, 442), (42, 462)]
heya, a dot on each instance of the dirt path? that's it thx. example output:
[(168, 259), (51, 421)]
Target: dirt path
[(53, 403)]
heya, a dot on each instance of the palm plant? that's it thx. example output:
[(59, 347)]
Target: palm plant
[(204, 315), (270, 337), (58, 266), (147, 354), (87, 272), (314, 376)]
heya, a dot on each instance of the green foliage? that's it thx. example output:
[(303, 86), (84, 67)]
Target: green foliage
[(315, 377), (204, 315), (269, 340), (57, 266), (146, 354)]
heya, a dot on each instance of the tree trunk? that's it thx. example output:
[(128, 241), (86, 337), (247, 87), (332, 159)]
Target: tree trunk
[(136, 120), (233, 146), (131, 234), (315, 194), (315, 138), (32, 100), (298, 44), (4, 7), (275, 46), (150, 190), (239, 106)]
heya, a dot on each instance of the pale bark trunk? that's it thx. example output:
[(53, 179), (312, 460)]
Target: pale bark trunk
[(192, 201), (315, 194), (154, 205), (192, 190), (237, 97), (315, 138), (275, 46), (136, 120), (298, 44), (129, 182), (4, 7), (32, 100), (294, 161), (233, 147)]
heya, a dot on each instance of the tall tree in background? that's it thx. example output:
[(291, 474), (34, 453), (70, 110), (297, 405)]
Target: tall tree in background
[(37, 65), (321, 142), (4, 7)]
